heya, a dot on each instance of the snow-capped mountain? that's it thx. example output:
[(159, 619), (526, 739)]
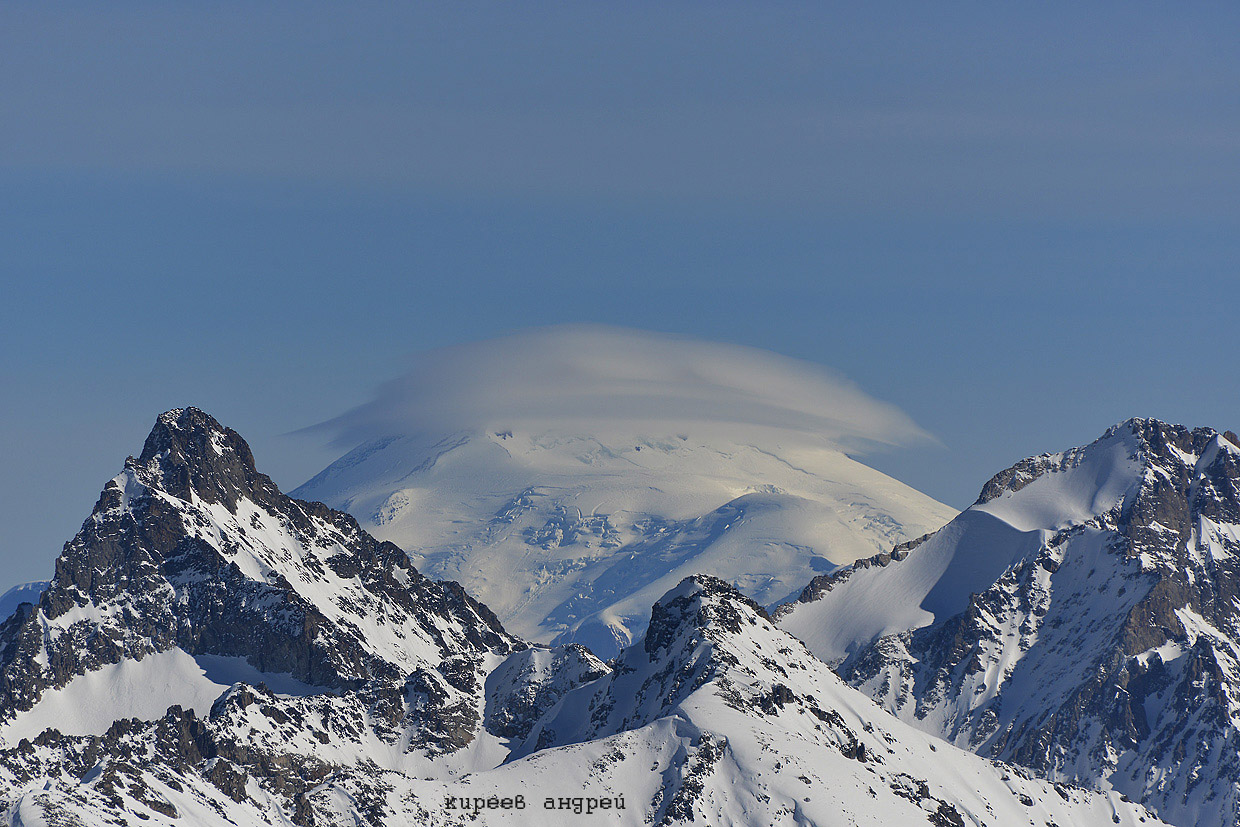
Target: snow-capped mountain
[(1081, 619), (719, 717), (213, 652), (570, 537), (567, 477), (194, 571)]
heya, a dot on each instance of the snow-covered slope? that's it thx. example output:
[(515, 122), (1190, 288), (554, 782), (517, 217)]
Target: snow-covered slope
[(567, 477), (853, 606), (1082, 619), (571, 537), (716, 718), (212, 652)]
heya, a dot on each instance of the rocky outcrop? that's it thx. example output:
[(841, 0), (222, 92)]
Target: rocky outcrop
[(191, 547), (192, 550), (394, 699), (1109, 654)]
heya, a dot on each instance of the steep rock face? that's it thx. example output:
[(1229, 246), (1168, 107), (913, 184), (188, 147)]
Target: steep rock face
[(719, 717), (213, 651), (532, 681), (191, 548), (1105, 648)]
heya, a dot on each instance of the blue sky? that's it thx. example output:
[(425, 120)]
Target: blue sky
[(1017, 224)]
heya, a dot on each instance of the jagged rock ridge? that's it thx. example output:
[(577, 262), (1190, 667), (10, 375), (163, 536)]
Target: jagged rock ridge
[(191, 547), (371, 695), (1105, 647), (194, 571), (752, 729)]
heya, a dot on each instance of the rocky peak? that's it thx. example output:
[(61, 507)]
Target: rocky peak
[(1187, 475), (1146, 442), (192, 548), (1107, 648), (189, 453), (1159, 438), (700, 606)]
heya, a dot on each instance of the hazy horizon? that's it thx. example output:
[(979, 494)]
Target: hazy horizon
[(1013, 226)]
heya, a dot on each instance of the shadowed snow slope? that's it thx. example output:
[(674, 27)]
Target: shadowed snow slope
[(716, 718), (569, 477), (1082, 619)]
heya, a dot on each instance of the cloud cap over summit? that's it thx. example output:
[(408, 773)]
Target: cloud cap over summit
[(601, 380)]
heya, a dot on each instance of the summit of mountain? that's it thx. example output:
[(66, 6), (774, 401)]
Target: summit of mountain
[(1082, 618), (570, 536)]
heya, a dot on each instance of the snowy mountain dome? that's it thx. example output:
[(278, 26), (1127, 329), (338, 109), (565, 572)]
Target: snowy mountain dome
[(569, 476)]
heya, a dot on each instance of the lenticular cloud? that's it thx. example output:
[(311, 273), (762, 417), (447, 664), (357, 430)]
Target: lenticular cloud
[(601, 380)]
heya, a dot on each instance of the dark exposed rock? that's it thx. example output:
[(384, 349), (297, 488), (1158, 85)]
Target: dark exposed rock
[(677, 802), (149, 555), (667, 619), (1104, 616), (189, 453), (192, 548)]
